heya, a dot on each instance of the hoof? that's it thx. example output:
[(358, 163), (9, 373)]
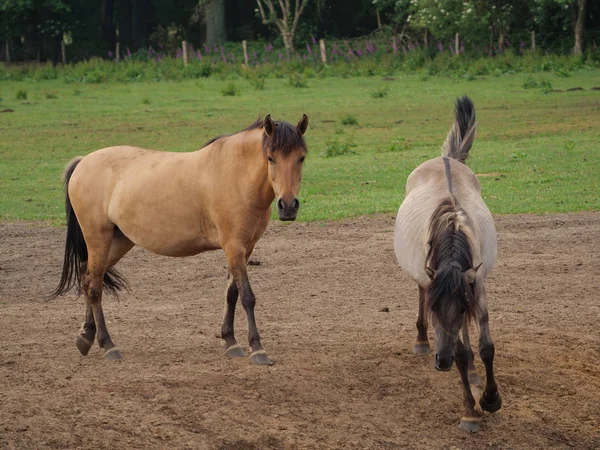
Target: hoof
[(83, 344), (470, 424), (421, 348), (113, 354), (474, 378), (490, 407), (235, 351), (259, 357)]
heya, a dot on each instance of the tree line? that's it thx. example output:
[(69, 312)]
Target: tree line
[(36, 29)]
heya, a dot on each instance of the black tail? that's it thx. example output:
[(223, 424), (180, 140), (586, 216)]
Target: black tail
[(461, 136), (76, 250)]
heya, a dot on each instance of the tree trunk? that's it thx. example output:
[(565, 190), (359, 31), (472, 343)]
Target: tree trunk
[(579, 26), (214, 13), (288, 41)]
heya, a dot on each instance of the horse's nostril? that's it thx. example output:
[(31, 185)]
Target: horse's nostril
[(296, 203), (280, 204)]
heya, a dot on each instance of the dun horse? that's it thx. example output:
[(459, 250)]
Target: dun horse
[(445, 240), (179, 204)]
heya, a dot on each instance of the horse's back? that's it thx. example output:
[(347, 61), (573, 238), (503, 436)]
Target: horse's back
[(426, 187)]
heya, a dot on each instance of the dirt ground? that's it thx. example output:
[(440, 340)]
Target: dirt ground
[(344, 377)]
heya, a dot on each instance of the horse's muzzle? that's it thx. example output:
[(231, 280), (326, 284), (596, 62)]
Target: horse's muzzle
[(288, 211), (444, 363)]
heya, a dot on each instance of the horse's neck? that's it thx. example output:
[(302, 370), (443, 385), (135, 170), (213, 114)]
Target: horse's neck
[(240, 157)]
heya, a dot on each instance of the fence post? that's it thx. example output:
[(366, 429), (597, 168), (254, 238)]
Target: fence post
[(7, 46), (533, 41), (323, 51), (118, 52), (394, 45), (456, 44), (245, 47), (185, 55), (63, 52)]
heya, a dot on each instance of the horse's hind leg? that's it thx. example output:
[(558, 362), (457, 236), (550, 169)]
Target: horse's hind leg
[(490, 400), (474, 378), (87, 333), (422, 344)]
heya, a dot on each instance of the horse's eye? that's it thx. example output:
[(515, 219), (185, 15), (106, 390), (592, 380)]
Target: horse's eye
[(301, 160), (271, 160)]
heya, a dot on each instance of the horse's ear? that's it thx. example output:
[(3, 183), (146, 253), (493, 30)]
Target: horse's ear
[(303, 124), (269, 125), (430, 272), (471, 274)]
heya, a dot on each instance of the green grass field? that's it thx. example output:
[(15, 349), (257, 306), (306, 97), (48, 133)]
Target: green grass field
[(535, 153)]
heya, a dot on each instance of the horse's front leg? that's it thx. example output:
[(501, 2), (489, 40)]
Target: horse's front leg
[(490, 401), (471, 419), (233, 349), (236, 257)]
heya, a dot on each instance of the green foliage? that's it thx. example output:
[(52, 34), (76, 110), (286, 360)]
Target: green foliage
[(399, 145), (21, 94), (230, 89), (297, 80), (380, 92), (50, 95), (349, 119), (545, 87), (530, 83), (146, 101), (338, 147)]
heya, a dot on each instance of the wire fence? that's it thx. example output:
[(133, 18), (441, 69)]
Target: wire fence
[(333, 50)]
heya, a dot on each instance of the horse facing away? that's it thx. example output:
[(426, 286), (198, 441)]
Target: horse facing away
[(179, 204), (445, 240)]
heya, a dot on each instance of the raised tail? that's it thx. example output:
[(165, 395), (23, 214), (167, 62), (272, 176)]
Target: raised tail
[(76, 249), (461, 136)]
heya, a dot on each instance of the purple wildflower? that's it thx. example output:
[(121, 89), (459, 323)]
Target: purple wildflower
[(110, 54), (280, 56), (199, 55), (128, 52), (179, 53), (314, 41), (308, 49), (207, 49), (440, 47)]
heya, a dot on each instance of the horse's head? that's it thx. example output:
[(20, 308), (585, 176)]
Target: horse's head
[(450, 299), (285, 150)]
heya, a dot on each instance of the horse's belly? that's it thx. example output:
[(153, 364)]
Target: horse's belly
[(169, 236), (410, 236)]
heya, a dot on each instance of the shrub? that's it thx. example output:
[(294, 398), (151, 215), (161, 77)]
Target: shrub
[(349, 119), (297, 80), (336, 147), (529, 83), (380, 92), (146, 101), (21, 94), (50, 95), (230, 89)]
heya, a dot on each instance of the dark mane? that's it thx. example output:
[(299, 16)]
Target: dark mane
[(285, 138), (449, 256)]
